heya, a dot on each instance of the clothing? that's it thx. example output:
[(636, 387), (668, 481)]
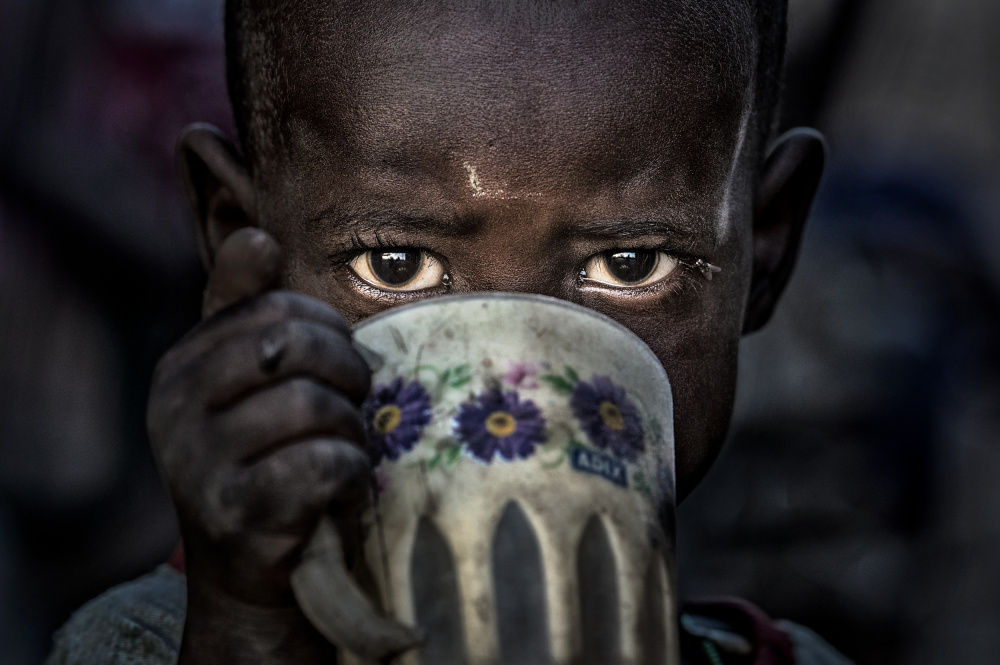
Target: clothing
[(138, 623), (141, 623)]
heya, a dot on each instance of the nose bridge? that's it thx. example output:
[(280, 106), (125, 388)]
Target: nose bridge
[(520, 251), (543, 282)]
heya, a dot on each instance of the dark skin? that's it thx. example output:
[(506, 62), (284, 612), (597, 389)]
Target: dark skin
[(506, 164)]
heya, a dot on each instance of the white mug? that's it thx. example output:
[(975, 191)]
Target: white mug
[(524, 477)]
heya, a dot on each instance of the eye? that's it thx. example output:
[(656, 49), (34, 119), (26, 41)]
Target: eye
[(629, 268), (402, 269)]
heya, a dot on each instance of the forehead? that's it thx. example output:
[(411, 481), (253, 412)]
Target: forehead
[(521, 96)]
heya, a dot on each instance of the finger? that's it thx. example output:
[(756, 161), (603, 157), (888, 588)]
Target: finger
[(332, 600), (297, 408), (242, 319), (266, 309), (288, 489), (247, 263), (288, 348)]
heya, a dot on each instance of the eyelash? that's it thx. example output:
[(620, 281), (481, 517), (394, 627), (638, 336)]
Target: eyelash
[(359, 245)]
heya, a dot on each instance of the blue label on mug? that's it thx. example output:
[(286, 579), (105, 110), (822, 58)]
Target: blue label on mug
[(599, 464)]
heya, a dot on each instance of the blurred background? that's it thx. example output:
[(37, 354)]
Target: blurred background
[(860, 491)]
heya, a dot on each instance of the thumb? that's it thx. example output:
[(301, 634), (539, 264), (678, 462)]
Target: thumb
[(247, 263)]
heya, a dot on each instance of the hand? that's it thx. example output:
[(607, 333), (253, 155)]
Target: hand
[(254, 419)]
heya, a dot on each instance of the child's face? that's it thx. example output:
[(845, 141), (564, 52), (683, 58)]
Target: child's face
[(474, 154)]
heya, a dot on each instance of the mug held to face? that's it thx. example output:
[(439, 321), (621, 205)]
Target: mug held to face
[(524, 487)]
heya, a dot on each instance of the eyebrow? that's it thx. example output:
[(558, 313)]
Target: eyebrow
[(373, 221), (636, 228)]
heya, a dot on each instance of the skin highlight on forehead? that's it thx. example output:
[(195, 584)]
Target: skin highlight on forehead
[(724, 225), (500, 194)]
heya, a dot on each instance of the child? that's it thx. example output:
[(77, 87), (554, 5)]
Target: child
[(610, 153)]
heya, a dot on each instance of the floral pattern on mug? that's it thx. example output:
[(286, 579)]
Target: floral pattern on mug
[(395, 416), (497, 423), (608, 417), (521, 375)]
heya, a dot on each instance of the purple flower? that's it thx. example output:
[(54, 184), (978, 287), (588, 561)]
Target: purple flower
[(395, 416), (500, 423), (608, 417)]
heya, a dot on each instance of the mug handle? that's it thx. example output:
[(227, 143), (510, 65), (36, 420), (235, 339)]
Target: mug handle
[(331, 599)]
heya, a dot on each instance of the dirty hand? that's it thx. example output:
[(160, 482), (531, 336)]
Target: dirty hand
[(255, 421)]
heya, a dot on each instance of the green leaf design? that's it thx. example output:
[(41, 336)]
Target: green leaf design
[(451, 457), (458, 377), (558, 383), (426, 368), (555, 463), (435, 461), (571, 373)]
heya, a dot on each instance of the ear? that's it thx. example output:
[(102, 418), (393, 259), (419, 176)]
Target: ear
[(218, 186), (791, 176)]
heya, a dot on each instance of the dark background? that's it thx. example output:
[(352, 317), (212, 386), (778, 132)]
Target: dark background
[(860, 491)]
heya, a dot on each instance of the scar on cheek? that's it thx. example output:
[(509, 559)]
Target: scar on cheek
[(478, 191)]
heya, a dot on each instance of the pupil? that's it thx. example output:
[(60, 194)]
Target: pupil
[(631, 266), (396, 267)]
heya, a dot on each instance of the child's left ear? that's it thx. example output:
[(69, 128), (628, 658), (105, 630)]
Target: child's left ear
[(790, 178), (218, 186)]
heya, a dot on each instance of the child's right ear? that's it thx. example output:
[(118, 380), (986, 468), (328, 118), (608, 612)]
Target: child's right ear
[(218, 186)]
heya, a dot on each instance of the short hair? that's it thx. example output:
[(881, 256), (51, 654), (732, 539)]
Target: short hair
[(254, 76)]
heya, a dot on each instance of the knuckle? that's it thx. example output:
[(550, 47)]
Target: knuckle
[(273, 303), (284, 332), (301, 335), (274, 471), (315, 344), (321, 310), (307, 400), (165, 373), (222, 502), (351, 461), (169, 399), (330, 464), (317, 461)]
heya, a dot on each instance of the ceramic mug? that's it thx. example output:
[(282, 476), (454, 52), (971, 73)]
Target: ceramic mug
[(524, 474)]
